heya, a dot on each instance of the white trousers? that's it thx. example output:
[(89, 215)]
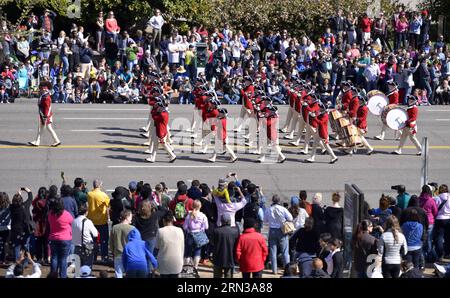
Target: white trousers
[(49, 129)]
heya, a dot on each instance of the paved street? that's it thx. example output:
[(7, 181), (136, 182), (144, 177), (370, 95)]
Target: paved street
[(103, 141)]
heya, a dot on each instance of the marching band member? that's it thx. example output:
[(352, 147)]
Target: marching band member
[(393, 96), (160, 117), (311, 107), (290, 114), (319, 127), (347, 95), (361, 123), (410, 129), (147, 88), (300, 107), (268, 115), (153, 96), (209, 114), (199, 99), (45, 115), (221, 136), (247, 94)]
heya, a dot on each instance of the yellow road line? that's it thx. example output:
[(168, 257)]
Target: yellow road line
[(446, 147)]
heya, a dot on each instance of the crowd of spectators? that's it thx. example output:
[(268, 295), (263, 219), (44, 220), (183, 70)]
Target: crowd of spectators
[(109, 63), (143, 231)]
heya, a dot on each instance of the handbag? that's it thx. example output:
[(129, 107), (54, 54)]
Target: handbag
[(200, 239), (287, 227), (86, 248)]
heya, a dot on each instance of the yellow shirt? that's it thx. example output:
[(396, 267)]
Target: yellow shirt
[(98, 204)]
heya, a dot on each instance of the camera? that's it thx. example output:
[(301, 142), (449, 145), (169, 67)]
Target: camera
[(22, 189), (400, 188)]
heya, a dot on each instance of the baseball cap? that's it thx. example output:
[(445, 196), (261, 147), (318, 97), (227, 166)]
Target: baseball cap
[(222, 182), (295, 200), (85, 271), (132, 185)]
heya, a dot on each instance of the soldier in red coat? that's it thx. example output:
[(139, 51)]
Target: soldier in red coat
[(320, 133), (393, 96), (247, 110), (201, 86), (268, 115), (160, 134), (346, 96), (209, 115), (45, 115), (147, 92), (410, 130), (311, 107), (221, 138), (302, 113), (361, 123), (291, 93)]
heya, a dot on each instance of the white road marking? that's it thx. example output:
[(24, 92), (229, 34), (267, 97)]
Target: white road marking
[(155, 166), (96, 130), (442, 119), (438, 110), (89, 109), (105, 118)]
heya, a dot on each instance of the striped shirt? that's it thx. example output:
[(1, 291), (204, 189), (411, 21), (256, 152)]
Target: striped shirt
[(390, 249)]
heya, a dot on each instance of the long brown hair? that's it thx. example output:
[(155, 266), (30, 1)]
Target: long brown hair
[(393, 225), (145, 209)]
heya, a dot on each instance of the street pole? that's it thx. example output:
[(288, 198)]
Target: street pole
[(424, 171)]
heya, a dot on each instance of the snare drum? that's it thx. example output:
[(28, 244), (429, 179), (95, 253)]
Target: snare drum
[(335, 115), (351, 134), (377, 102), (394, 117)]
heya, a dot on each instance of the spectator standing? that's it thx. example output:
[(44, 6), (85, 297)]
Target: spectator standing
[(391, 246), (21, 222), (224, 207), (170, 245), (98, 203), (224, 242), (5, 225), (156, 22), (60, 237), (80, 191), (111, 26), (146, 221), (40, 218), (298, 213), (136, 256), (413, 231), (195, 225), (181, 205), (84, 234), (334, 217), (442, 223), (317, 213), (335, 259), (118, 240), (363, 245), (47, 20), (251, 251), (70, 204), (306, 243), (86, 55), (99, 32), (428, 204)]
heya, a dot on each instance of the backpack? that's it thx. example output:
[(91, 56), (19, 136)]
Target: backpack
[(180, 210)]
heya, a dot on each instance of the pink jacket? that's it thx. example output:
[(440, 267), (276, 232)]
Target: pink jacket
[(401, 27), (60, 227), (429, 205)]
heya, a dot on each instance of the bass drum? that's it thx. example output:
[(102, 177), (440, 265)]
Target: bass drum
[(377, 101), (394, 117)]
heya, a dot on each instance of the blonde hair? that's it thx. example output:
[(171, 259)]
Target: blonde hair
[(195, 208), (317, 198)]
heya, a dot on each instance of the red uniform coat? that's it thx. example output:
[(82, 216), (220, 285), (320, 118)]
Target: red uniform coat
[(299, 101), (413, 113), (353, 107), (313, 108), (251, 251), (304, 109), (161, 121), (207, 113), (223, 131), (272, 131), (291, 97), (322, 123), (361, 115), (45, 108), (248, 99), (147, 92), (346, 98), (394, 98)]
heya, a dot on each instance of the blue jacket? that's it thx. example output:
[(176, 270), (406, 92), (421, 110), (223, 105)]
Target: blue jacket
[(136, 253), (413, 233)]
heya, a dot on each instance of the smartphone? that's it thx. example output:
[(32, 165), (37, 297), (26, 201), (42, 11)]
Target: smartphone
[(22, 189)]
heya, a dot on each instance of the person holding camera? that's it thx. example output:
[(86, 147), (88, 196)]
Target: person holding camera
[(84, 234), (16, 269), (22, 224)]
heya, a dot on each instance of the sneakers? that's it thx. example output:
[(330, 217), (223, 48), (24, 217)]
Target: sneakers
[(212, 160), (283, 130), (303, 152)]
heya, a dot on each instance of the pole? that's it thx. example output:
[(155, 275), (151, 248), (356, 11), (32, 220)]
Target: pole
[(424, 171)]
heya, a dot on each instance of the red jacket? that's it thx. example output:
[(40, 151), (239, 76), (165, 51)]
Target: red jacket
[(322, 122), (272, 132), (299, 101), (248, 99), (223, 132), (346, 98), (45, 108), (365, 24), (161, 121), (353, 107), (304, 109), (393, 98), (313, 108), (291, 97), (251, 251), (413, 113), (208, 113), (188, 207), (361, 115)]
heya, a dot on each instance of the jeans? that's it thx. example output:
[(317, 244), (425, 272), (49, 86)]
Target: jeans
[(60, 250), (278, 98), (190, 250), (400, 38), (415, 256), (65, 62), (41, 244), (136, 274), (428, 251), (104, 238), (390, 270), (184, 97), (246, 275), (305, 263), (22, 243), (220, 272), (99, 39), (442, 237), (118, 267), (151, 245), (3, 239), (426, 85), (231, 100), (277, 239), (131, 64)]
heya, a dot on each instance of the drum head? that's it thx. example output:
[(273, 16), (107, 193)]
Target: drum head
[(396, 118), (377, 103)]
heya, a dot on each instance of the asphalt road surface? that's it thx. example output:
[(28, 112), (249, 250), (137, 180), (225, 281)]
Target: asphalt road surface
[(103, 141)]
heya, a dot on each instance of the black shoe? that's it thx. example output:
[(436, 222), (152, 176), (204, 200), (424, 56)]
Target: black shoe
[(283, 160), (32, 144), (334, 161), (56, 144), (234, 160), (173, 160)]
